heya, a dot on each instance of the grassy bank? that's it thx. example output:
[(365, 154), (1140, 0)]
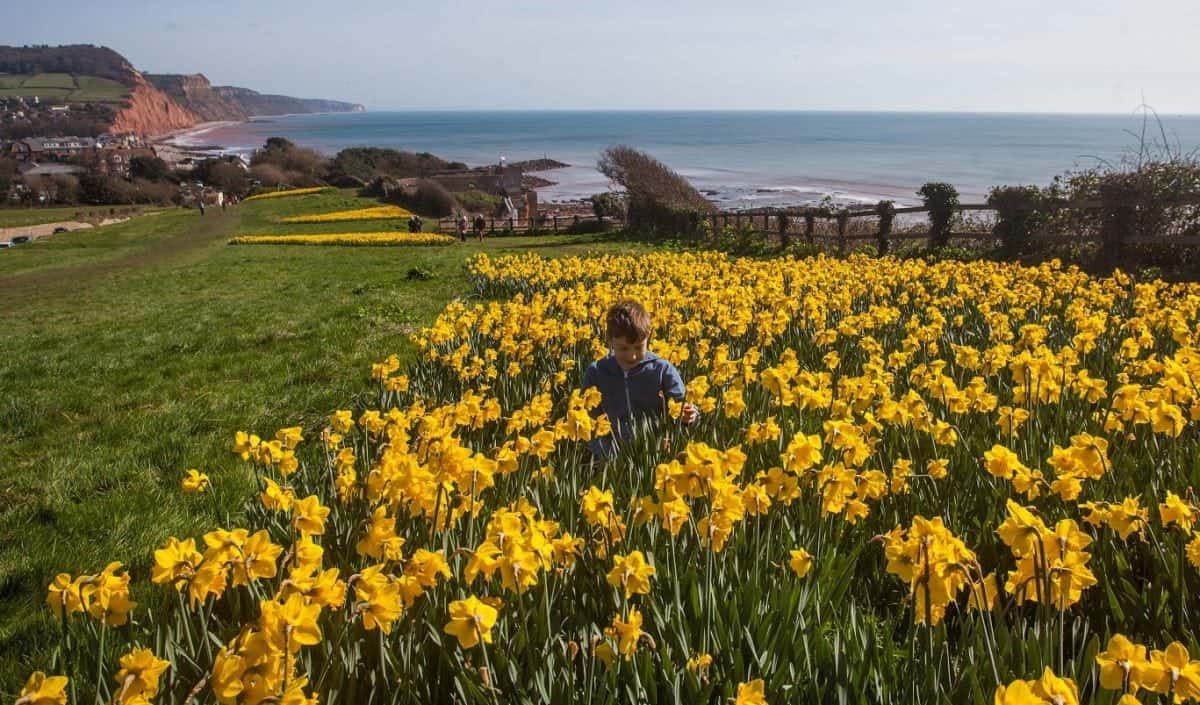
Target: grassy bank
[(133, 352)]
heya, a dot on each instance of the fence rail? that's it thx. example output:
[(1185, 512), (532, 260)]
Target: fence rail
[(801, 223), (542, 224)]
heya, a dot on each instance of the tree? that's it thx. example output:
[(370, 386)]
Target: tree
[(222, 175), (8, 172), (296, 165), (367, 163), (644, 178), (278, 144), (607, 205), (941, 199), (661, 202), (149, 168), (97, 189), (268, 174)]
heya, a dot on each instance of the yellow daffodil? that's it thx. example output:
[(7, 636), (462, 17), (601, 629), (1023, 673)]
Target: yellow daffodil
[(471, 621)]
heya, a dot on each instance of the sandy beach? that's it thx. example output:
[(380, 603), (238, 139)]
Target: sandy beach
[(177, 145)]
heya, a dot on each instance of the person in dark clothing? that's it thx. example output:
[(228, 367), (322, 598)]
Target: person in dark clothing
[(480, 224), (462, 227), (633, 382)]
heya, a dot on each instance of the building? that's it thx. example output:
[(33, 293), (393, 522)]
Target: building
[(48, 169), (115, 161), (497, 180), (35, 149)]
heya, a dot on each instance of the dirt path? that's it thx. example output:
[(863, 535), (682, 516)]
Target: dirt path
[(44, 229), (45, 283)]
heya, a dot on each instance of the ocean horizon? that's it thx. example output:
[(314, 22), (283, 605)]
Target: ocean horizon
[(745, 159)]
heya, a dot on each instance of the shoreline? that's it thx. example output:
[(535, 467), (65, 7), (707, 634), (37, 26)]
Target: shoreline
[(197, 129), (577, 181), (173, 153)]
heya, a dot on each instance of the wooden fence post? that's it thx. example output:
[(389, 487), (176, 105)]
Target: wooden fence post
[(810, 226), (556, 223), (843, 219)]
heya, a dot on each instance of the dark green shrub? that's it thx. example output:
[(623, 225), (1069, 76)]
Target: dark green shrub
[(427, 198), (1021, 213), (886, 210), (942, 201), (607, 205)]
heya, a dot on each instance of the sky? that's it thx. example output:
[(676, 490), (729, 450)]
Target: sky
[(1011, 56)]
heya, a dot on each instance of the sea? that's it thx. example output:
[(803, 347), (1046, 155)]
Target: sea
[(750, 159)]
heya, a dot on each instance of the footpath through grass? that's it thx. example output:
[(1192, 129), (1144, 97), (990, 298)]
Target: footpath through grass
[(21, 217), (133, 352)]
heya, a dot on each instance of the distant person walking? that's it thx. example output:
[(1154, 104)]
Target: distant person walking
[(415, 225), (479, 225), (462, 227), (221, 199), (201, 202)]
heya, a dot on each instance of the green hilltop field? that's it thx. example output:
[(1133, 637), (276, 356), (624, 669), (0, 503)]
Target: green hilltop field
[(62, 87)]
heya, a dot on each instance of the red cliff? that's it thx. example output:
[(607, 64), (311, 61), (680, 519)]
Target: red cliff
[(150, 112)]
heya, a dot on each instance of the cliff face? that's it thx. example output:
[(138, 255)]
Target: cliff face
[(195, 93), (253, 103), (159, 103), (210, 103), (151, 112)]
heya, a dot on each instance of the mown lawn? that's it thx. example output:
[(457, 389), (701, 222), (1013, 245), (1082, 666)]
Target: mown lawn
[(133, 353)]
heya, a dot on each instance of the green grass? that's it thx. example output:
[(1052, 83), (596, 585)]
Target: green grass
[(49, 80), (17, 217), (98, 89), (62, 86), (94, 246), (133, 352)]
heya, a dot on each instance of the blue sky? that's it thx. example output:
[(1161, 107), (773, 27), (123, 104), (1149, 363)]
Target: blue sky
[(1017, 55)]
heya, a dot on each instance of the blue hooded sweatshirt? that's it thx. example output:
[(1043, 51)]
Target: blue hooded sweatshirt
[(642, 391)]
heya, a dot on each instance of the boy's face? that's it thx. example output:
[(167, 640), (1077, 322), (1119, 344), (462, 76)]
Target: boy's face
[(628, 353)]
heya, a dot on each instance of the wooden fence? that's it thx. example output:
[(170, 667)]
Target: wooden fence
[(801, 223), (542, 224)]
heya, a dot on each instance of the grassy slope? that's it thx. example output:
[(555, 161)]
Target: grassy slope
[(114, 380), (62, 86), (92, 246)]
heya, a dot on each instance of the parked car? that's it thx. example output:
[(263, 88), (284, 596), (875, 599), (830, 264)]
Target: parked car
[(19, 240), (61, 229)]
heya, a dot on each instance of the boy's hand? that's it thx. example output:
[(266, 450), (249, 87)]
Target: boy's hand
[(689, 413)]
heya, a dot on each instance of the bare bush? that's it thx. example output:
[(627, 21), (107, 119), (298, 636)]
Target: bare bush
[(427, 197), (268, 174)]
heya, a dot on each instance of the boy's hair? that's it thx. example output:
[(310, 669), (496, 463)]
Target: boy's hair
[(628, 319)]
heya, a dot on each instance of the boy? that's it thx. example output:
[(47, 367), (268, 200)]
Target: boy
[(633, 381)]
